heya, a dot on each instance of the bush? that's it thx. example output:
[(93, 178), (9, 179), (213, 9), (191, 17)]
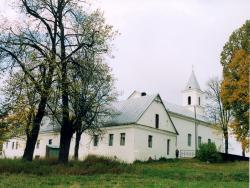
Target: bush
[(208, 152)]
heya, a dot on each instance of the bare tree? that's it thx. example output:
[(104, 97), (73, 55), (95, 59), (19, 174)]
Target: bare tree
[(216, 110)]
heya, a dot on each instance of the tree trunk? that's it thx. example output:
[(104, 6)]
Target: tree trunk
[(78, 139), (65, 139), (226, 141), (243, 152), (32, 138), (66, 129)]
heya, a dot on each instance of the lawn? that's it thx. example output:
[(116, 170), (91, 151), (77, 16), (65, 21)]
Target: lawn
[(105, 173)]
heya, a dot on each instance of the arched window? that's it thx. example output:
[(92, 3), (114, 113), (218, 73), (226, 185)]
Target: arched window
[(199, 100), (189, 100)]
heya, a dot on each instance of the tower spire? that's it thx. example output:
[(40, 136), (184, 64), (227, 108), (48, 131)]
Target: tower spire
[(193, 95), (192, 82)]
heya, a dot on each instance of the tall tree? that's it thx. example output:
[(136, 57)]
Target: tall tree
[(235, 59), (30, 47), (44, 45), (235, 91), (90, 97), (216, 109)]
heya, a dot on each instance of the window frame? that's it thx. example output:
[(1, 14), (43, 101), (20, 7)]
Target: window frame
[(199, 140), (189, 139), (157, 121), (122, 139), (150, 141), (95, 140), (168, 146), (111, 139), (37, 144), (189, 100)]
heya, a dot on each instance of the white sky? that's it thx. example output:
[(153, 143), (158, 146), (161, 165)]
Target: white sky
[(161, 39)]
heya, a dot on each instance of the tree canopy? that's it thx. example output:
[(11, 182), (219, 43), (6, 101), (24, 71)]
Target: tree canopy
[(45, 47), (235, 59)]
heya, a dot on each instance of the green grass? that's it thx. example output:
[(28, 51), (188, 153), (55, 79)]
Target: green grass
[(102, 172)]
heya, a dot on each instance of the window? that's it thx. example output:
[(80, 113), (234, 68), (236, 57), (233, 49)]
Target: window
[(168, 146), (37, 144), (16, 145), (50, 141), (199, 100), (96, 139), (156, 121), (189, 100), (189, 139), (199, 140), (209, 140), (6, 145), (13, 145), (111, 138), (122, 140), (150, 141)]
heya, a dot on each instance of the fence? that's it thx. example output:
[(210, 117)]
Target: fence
[(187, 153)]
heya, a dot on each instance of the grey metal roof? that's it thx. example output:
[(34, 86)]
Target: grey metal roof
[(192, 82), (177, 109), (49, 125), (130, 110)]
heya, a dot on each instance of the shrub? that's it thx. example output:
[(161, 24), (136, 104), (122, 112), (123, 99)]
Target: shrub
[(208, 152)]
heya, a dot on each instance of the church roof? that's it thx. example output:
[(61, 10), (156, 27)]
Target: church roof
[(130, 110), (192, 82), (180, 110)]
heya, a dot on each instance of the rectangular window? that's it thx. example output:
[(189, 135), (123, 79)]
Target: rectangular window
[(122, 140), (189, 139), (37, 144), (150, 141), (16, 145), (156, 121), (111, 138), (168, 146), (50, 141), (209, 140), (199, 140), (13, 145), (96, 139)]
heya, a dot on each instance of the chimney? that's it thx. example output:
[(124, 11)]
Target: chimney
[(143, 94)]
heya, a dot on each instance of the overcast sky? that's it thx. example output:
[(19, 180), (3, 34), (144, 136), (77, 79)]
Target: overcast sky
[(160, 40)]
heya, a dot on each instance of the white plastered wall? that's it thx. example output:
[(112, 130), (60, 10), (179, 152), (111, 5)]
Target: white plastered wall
[(148, 117), (186, 126)]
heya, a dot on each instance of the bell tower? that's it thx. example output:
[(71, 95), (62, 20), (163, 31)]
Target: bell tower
[(192, 95)]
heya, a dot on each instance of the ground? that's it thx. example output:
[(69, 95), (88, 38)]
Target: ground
[(105, 173)]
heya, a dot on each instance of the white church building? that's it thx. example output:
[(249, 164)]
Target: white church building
[(142, 127)]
